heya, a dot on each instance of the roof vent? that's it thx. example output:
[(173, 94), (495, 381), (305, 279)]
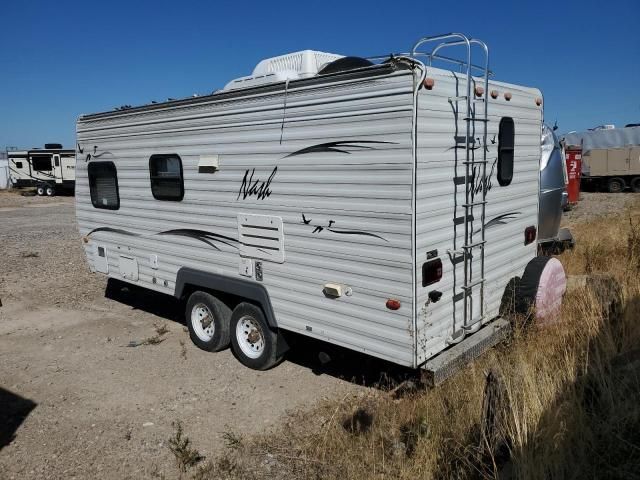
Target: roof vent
[(52, 146), (291, 66)]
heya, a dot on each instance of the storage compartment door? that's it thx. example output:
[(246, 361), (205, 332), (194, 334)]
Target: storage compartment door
[(128, 268)]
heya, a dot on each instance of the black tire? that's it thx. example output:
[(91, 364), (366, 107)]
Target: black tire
[(50, 191), (635, 185), (262, 359), (220, 317), (40, 190), (615, 185)]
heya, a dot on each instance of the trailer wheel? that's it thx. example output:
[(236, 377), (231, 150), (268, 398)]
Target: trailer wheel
[(40, 190), (635, 185), (208, 321), (50, 191), (253, 342), (615, 185)]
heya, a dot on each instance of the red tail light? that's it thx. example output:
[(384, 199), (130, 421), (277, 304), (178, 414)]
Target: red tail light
[(431, 272), (393, 304), (529, 235)]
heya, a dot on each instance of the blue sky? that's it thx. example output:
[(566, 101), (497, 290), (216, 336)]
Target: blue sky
[(64, 58)]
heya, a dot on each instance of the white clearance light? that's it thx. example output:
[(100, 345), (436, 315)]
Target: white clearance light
[(291, 66)]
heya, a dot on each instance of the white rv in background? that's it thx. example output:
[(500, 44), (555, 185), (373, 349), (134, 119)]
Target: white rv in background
[(51, 169), (384, 207)]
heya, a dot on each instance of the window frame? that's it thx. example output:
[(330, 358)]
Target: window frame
[(166, 198), (93, 189), (508, 149)]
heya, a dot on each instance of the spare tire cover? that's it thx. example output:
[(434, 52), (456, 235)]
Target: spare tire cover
[(541, 288), (551, 288)]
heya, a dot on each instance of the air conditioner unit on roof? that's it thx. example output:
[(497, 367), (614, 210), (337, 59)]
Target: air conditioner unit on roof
[(291, 66)]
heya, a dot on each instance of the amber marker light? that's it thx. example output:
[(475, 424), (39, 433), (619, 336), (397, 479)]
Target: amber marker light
[(507, 96), (429, 83), (494, 94), (479, 91), (538, 101)]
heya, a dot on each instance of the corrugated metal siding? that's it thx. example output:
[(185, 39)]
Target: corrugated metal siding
[(365, 190), (505, 254)]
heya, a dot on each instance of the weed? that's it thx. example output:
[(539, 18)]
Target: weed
[(183, 349), (231, 439), (161, 329), (29, 254), (158, 338), (180, 445)]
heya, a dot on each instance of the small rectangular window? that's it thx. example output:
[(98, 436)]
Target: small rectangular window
[(103, 185), (56, 161), (506, 143), (41, 163), (18, 164), (165, 172)]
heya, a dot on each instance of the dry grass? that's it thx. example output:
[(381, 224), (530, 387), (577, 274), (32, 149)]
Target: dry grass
[(571, 400)]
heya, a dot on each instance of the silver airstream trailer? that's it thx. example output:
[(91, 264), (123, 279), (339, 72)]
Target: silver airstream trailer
[(553, 195)]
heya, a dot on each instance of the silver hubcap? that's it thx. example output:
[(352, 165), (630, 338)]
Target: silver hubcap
[(202, 322), (250, 337)]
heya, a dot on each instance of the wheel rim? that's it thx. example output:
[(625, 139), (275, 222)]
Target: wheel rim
[(250, 337), (202, 322), (49, 191)]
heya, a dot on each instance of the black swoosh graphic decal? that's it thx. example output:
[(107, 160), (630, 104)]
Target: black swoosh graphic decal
[(317, 228), (28, 175), (345, 146), (113, 230), (201, 235), (499, 220), (357, 232)]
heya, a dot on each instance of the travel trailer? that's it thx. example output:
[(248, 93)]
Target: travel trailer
[(384, 205), (51, 169)]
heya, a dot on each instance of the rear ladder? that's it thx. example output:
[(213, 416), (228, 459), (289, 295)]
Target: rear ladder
[(475, 172)]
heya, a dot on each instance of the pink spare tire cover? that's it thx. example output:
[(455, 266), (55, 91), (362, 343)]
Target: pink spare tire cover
[(551, 288)]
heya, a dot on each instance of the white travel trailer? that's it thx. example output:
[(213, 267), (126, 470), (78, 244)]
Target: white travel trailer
[(51, 169), (384, 207)]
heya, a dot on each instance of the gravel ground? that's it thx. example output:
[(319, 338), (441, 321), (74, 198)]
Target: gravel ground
[(592, 205), (77, 402)]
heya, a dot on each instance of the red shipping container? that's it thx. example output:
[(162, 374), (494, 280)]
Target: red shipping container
[(574, 172)]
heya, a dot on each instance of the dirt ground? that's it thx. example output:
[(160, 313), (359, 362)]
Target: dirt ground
[(78, 402)]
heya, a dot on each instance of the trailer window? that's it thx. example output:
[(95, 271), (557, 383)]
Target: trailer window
[(18, 164), (103, 185), (506, 142), (41, 163), (165, 172)]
